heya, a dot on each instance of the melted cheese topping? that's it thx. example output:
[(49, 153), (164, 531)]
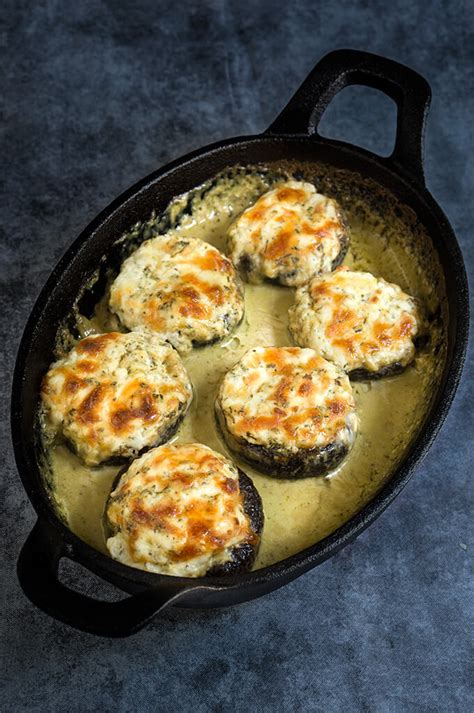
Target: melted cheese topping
[(288, 397), (115, 394), (290, 234), (178, 510), (182, 288), (356, 320)]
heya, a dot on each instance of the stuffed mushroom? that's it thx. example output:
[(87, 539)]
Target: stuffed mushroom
[(360, 322), (115, 394), (289, 235), (181, 288), (288, 411), (184, 510)]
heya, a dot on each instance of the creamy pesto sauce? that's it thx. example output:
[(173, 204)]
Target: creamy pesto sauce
[(297, 513)]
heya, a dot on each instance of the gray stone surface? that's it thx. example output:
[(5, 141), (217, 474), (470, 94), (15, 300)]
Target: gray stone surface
[(97, 94)]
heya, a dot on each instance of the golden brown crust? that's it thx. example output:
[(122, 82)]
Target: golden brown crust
[(360, 322), (179, 510), (127, 395), (279, 404), (289, 235), (181, 288)]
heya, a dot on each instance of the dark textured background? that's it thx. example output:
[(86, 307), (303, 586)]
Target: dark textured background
[(94, 96)]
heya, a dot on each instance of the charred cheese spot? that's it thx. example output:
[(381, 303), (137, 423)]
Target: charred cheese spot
[(364, 324), (291, 234), (181, 288), (288, 410), (132, 394), (93, 347), (179, 510)]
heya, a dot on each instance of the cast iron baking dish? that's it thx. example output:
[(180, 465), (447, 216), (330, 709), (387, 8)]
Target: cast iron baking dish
[(293, 135)]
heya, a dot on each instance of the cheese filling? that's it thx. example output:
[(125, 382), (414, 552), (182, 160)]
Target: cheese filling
[(356, 320), (181, 288), (288, 398), (115, 394), (178, 510), (290, 234)]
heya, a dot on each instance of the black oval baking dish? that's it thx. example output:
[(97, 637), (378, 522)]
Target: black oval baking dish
[(293, 135)]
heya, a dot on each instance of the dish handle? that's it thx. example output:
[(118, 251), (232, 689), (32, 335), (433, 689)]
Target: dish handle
[(38, 574), (343, 68)]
